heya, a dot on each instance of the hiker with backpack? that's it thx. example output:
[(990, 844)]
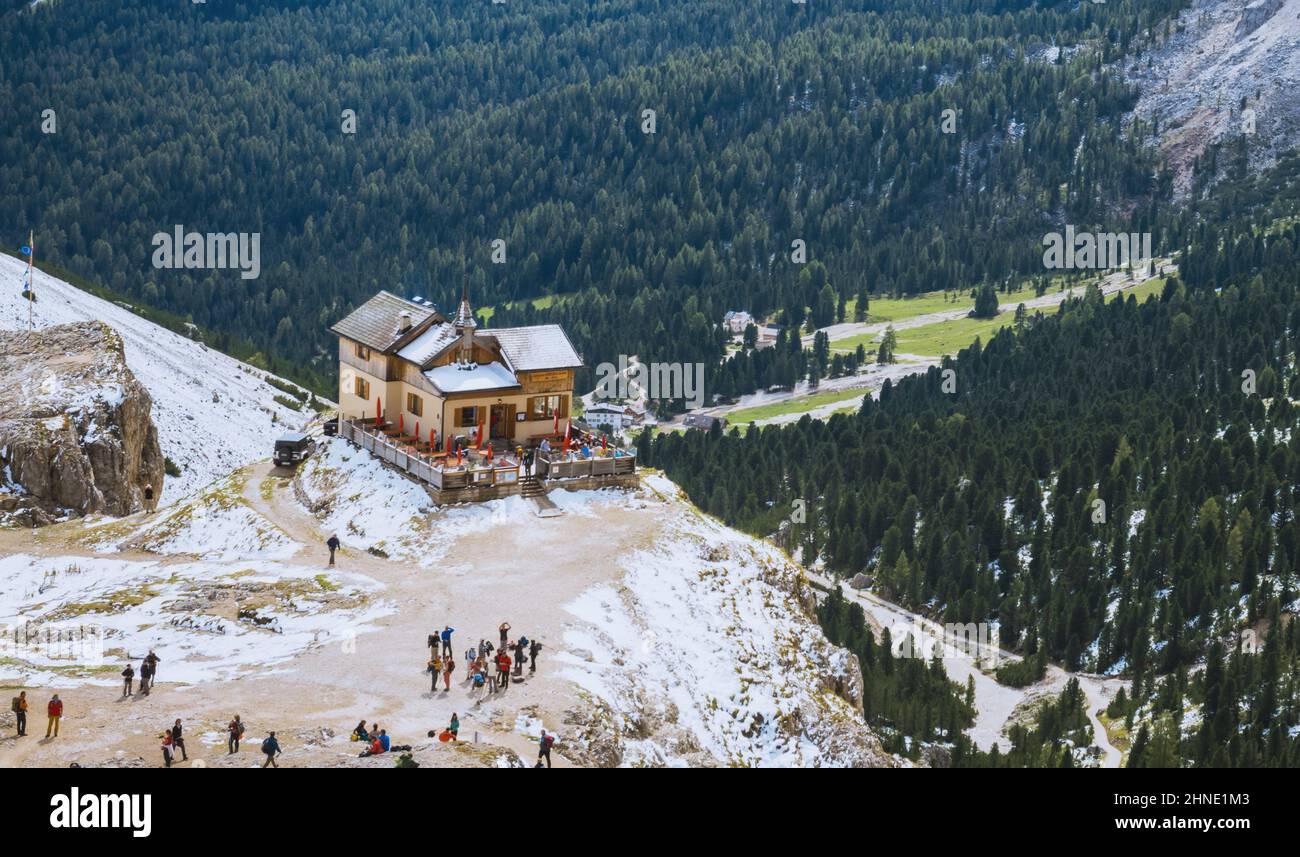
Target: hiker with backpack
[(19, 706), (150, 501), (333, 544), (271, 748), (544, 745), (519, 656), (504, 628), (234, 732), (55, 712), (448, 669), (128, 677), (533, 649), (447, 631), (178, 742), (168, 750)]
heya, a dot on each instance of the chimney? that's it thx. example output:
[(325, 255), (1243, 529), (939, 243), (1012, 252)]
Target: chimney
[(403, 321)]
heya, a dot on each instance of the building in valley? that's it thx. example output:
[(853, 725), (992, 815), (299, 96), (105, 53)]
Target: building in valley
[(450, 378)]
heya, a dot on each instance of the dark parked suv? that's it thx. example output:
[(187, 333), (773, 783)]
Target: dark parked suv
[(293, 448)]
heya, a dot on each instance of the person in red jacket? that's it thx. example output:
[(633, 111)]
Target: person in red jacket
[(55, 711), (503, 669)]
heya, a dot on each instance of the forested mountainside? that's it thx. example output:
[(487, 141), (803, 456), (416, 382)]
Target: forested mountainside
[(1114, 485), (774, 122)]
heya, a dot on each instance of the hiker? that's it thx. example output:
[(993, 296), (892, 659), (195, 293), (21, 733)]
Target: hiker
[(178, 742), (168, 750), (448, 668), (333, 544), (55, 712), (435, 669), (484, 648), (504, 628), (150, 505), (146, 673), (447, 631), (491, 677), (271, 747), (546, 445), (376, 747), (20, 712), (128, 677), (532, 656), (235, 731), (528, 462), (544, 748), (503, 669), (454, 728), (519, 656), (151, 661), (360, 733)]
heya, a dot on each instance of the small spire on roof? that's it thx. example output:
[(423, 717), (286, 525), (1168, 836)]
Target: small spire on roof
[(464, 315)]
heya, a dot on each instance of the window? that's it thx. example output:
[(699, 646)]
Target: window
[(363, 389), (545, 407), (414, 405), (467, 417), (362, 351)]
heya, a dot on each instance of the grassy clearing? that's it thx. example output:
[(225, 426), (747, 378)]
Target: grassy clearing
[(794, 406), (949, 337), (542, 302)]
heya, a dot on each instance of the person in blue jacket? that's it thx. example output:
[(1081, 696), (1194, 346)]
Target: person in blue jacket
[(384, 740), (447, 631)]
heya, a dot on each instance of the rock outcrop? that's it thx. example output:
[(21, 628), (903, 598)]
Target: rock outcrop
[(76, 435)]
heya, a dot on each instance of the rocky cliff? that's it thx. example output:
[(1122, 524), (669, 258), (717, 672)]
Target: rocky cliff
[(76, 435)]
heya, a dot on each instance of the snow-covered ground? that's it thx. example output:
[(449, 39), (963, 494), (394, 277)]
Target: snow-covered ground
[(214, 414), (205, 620), (213, 525)]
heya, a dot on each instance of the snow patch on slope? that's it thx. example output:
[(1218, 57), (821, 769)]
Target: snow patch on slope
[(705, 654), (214, 414), (205, 620)]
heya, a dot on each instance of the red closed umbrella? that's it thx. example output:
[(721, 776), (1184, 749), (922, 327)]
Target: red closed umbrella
[(417, 432), (379, 410), (399, 424)]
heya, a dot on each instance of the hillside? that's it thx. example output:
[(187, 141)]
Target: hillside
[(214, 414), (1226, 73)]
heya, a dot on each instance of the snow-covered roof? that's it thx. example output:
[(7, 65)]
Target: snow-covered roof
[(428, 344), (376, 322), (454, 378), (542, 346), (605, 408)]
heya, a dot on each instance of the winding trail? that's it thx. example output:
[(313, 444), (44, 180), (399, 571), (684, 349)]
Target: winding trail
[(994, 703)]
